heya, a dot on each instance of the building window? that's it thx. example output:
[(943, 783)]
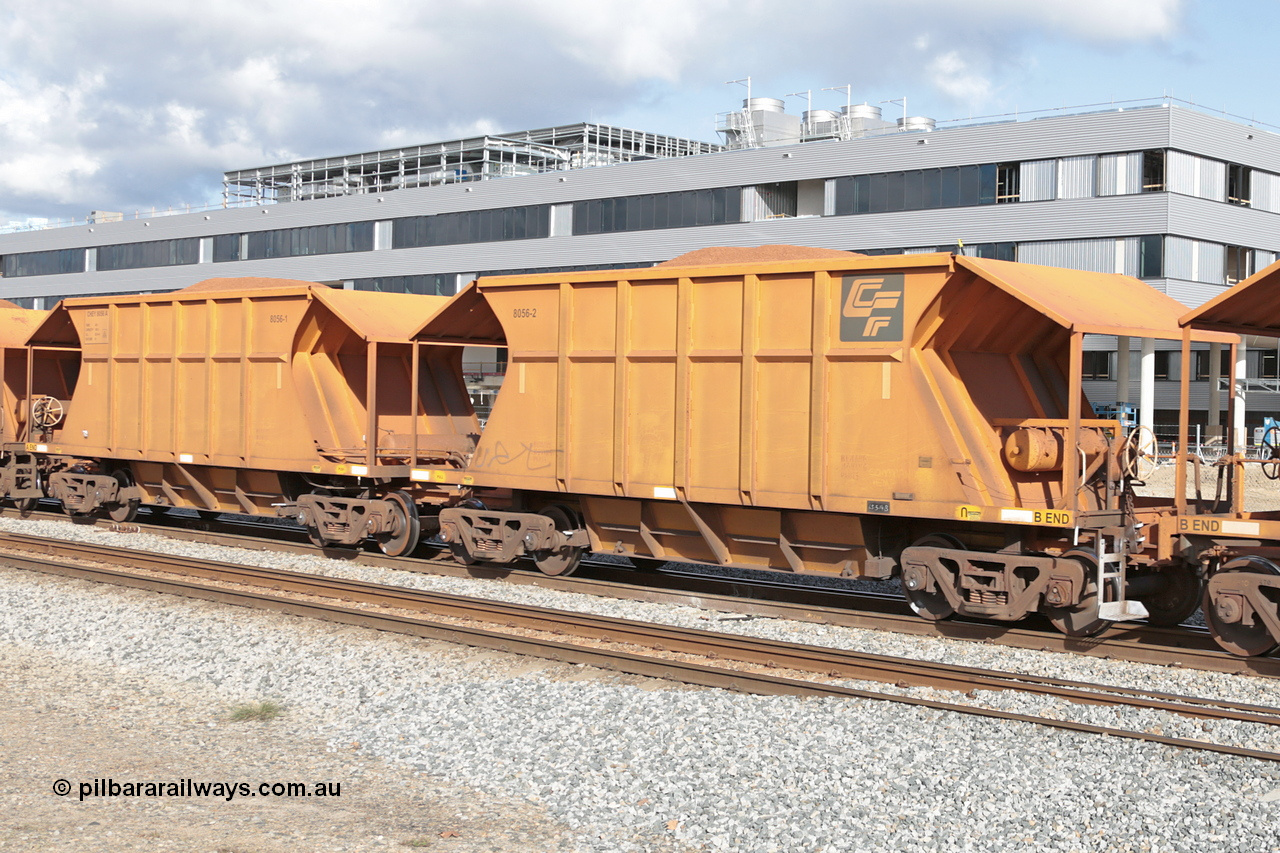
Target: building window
[(660, 210), (580, 268), (314, 240), (1166, 365), (1007, 182), (995, 251), (427, 285), (226, 247), (927, 189), (55, 262), (875, 252), (1239, 263), (1097, 365), (1268, 364), (1201, 360), (772, 201), (157, 253), (472, 226), (1238, 184), (1151, 256), (1153, 171)]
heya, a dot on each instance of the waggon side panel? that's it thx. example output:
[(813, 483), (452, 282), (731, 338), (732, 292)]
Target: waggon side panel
[(224, 378), (731, 388)]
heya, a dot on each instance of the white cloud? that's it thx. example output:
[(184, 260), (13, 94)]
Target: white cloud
[(954, 77)]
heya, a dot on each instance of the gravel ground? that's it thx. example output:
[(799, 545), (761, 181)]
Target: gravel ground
[(630, 767), (67, 717)]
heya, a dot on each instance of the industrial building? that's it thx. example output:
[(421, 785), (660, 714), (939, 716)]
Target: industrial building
[(1159, 190)]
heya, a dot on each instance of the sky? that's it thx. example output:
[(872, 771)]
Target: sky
[(126, 105)]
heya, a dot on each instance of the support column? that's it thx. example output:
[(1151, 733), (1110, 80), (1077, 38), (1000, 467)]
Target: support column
[(1242, 439), (1147, 386), (1214, 429), (1122, 369)]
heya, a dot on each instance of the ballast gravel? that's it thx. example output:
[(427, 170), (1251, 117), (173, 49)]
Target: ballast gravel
[(637, 765)]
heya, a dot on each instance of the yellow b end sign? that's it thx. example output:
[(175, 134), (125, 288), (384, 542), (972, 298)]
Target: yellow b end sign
[(1015, 515), (1225, 526)]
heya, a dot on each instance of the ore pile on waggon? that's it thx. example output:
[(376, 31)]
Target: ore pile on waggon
[(784, 408)]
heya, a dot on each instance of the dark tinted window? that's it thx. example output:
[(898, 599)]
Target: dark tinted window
[(660, 210), (996, 251), (44, 263), (429, 285), (314, 240), (926, 189), (1151, 256), (226, 247), (473, 226), (157, 253)]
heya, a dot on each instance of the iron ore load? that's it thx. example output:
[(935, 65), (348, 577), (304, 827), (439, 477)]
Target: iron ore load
[(782, 408)]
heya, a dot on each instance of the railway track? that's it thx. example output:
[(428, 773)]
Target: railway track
[(728, 661), (1184, 646)]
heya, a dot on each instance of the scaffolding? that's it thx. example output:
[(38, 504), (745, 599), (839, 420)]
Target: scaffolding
[(479, 158)]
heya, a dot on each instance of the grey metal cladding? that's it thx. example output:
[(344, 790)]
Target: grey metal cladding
[(1078, 176), (1073, 141), (1213, 180), (1180, 173), (1120, 174), (1223, 223), (1167, 397), (1038, 180), (1211, 262), (1179, 257), (1191, 292), (1265, 191), (1038, 139), (1023, 221), (1223, 139), (1097, 255)]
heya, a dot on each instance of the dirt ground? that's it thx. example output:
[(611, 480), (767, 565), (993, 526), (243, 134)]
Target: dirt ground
[(79, 722)]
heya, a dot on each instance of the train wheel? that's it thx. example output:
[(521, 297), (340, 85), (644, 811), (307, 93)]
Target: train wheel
[(126, 510), (1082, 619), (316, 538), (932, 605), (407, 529), (1178, 598), (1224, 614), (461, 553), (558, 561), (26, 506)]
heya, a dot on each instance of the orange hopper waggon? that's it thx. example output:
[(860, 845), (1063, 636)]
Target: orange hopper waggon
[(790, 409), (244, 396)]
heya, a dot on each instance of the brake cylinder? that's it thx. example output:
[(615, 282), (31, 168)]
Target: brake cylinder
[(1034, 449)]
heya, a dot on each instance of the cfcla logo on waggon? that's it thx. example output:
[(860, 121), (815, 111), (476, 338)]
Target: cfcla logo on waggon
[(872, 308)]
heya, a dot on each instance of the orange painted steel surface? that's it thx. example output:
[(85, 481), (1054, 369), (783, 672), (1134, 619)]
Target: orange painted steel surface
[(690, 400), (1251, 307), (16, 325), (265, 374)]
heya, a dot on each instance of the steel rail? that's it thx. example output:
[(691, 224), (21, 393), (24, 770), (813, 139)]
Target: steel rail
[(611, 660), (1183, 647), (750, 650)]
